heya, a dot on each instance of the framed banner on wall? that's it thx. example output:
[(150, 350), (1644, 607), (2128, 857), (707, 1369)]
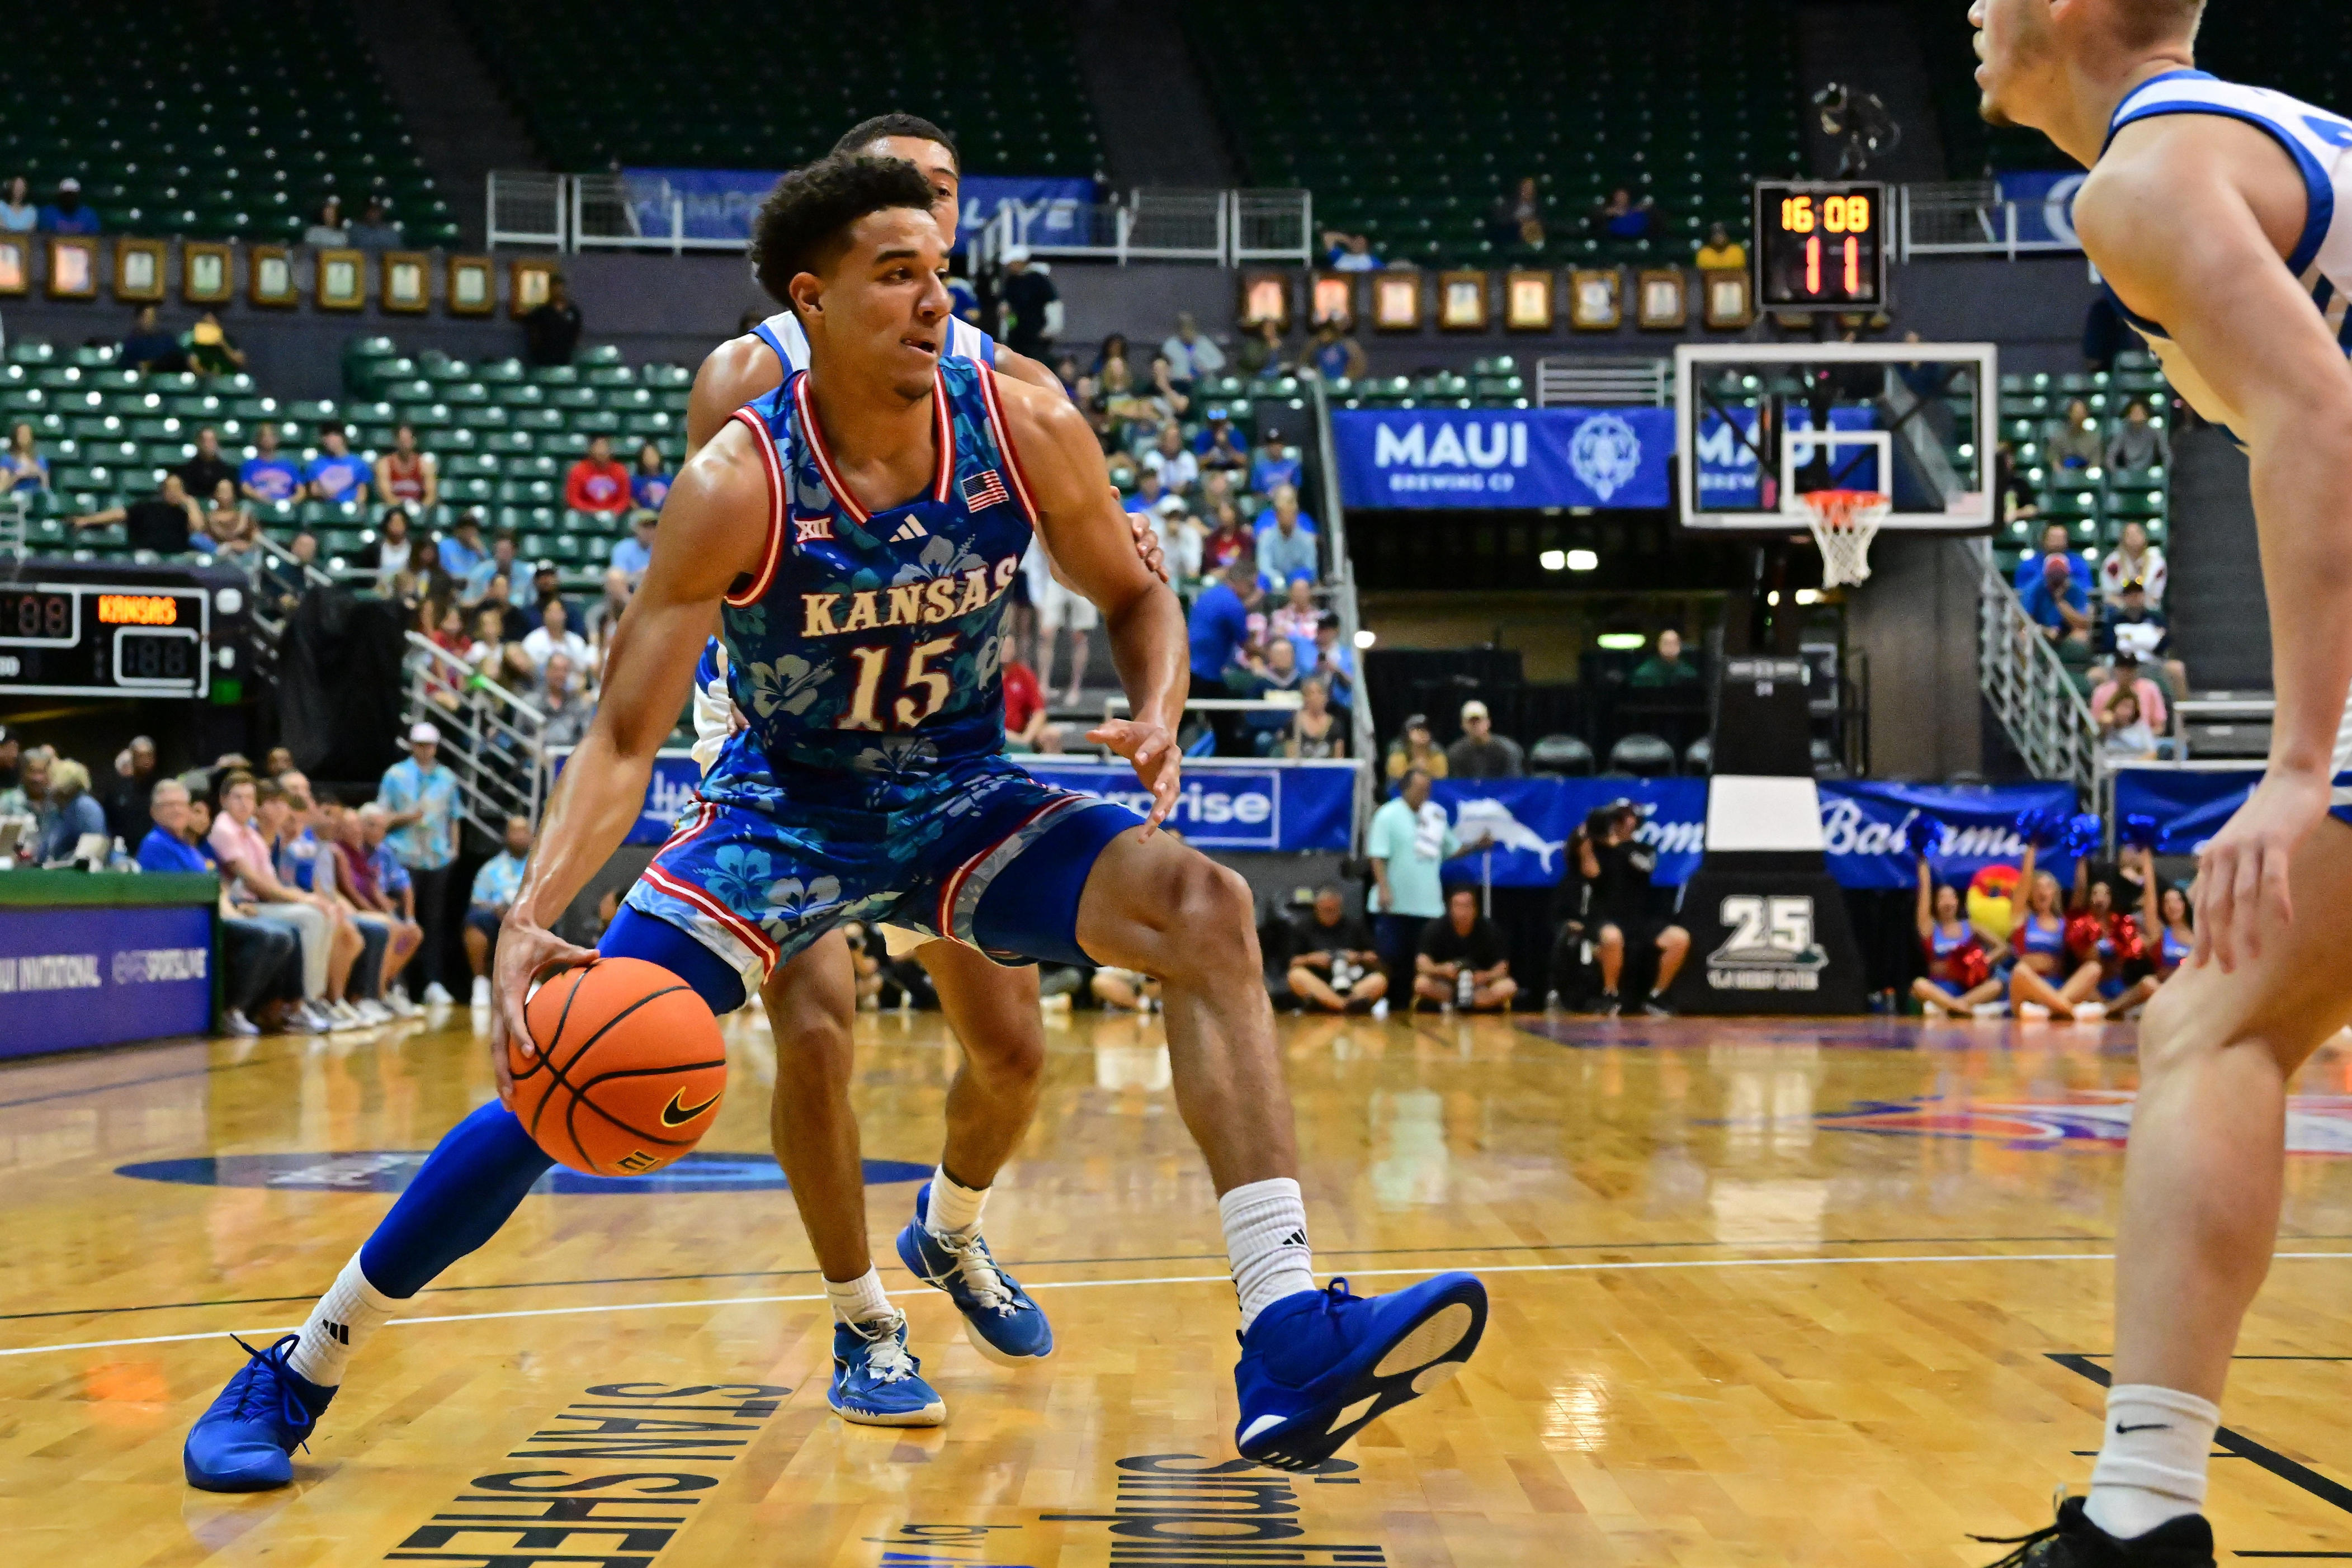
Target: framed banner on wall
[(472, 289), (270, 276), (16, 264), (342, 279), (530, 285), (205, 275), (1596, 300), (73, 266), (1462, 301), (406, 286), (1527, 302), (139, 271), (1396, 302)]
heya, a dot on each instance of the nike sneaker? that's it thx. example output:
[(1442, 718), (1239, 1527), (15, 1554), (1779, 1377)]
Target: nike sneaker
[(876, 1382), (2074, 1541), (245, 1440), (998, 1318), (1317, 1366)]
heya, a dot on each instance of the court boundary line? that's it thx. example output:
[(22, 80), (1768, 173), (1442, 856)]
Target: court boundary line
[(1637, 1265)]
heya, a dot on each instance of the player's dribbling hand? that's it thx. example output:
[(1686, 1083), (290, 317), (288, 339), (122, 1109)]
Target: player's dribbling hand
[(525, 951), (1152, 752), (2241, 873)]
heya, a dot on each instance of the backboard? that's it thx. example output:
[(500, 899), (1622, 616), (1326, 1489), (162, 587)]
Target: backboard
[(1759, 425)]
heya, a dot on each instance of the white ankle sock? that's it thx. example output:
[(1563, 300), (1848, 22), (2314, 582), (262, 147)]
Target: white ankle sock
[(1266, 1237), (858, 1301), (954, 1208), (2152, 1466), (345, 1316)]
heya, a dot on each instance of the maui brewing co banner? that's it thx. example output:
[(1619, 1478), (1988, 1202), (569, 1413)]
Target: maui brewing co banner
[(1445, 457), (1862, 826), (719, 204)]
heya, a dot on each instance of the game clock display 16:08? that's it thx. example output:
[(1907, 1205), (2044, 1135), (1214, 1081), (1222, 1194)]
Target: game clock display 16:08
[(1820, 246)]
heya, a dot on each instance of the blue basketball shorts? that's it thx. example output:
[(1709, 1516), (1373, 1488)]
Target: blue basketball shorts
[(983, 854)]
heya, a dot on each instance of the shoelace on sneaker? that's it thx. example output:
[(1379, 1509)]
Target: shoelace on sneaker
[(977, 1269), (269, 1366), (2023, 1543), (887, 1360)]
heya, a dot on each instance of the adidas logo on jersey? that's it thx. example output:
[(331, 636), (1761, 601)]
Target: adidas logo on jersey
[(908, 530)]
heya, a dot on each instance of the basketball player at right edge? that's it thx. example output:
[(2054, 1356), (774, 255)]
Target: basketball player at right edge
[(2220, 216)]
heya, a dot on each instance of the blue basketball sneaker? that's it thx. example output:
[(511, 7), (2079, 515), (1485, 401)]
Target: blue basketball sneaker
[(998, 1318), (245, 1441), (1317, 1365), (876, 1382)]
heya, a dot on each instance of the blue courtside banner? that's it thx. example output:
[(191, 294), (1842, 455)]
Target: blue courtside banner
[(1231, 805), (2190, 806), (2045, 203), (720, 203), (1531, 821), (1433, 457), (97, 976), (1864, 825)]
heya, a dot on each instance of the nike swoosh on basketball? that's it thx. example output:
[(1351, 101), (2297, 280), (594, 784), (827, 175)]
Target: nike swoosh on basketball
[(676, 1115)]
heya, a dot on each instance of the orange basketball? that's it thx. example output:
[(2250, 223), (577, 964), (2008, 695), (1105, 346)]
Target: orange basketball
[(629, 1071)]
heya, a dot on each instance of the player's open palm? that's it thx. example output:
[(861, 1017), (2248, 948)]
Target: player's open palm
[(2241, 873), (525, 952), (1152, 752)]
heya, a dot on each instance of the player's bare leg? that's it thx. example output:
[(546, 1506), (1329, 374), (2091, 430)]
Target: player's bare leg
[(994, 1011), (810, 1002)]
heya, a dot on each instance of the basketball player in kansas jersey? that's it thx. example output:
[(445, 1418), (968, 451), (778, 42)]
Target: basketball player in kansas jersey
[(2221, 215)]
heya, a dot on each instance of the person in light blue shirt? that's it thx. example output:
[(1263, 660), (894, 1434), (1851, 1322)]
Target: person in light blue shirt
[(1272, 467), (461, 548), (268, 476), (632, 555), (501, 564), (496, 886), (1410, 842), (419, 796), (1286, 546), (337, 474)]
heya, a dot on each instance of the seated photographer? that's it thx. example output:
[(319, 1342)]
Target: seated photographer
[(1621, 908), (1462, 964), (1334, 964)]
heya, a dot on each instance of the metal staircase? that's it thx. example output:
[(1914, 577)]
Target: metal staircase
[(2027, 686)]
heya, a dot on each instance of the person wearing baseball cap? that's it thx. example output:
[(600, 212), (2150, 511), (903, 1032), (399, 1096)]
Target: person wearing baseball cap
[(1034, 304), (67, 215), (419, 796), (1481, 754), (11, 747)]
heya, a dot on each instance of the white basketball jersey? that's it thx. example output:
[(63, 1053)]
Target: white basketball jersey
[(781, 332), (2321, 144)]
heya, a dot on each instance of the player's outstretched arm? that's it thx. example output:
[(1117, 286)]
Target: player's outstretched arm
[(1090, 538), (2188, 216), (713, 531)]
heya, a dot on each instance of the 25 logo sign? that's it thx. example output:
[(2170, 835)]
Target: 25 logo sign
[(1771, 946)]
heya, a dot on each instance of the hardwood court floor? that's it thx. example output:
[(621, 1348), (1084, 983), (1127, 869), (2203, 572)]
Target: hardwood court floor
[(1764, 1293)]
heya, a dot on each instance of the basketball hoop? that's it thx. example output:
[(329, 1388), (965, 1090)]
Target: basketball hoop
[(1844, 523)]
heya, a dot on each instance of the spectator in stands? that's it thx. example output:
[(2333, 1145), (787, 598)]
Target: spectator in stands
[(494, 653), (268, 476), (1481, 754), (1354, 254), (1067, 372), (337, 475), (72, 813), (1058, 607), (1030, 304), (125, 801), (148, 346), (2126, 676), (1173, 461), (1218, 628), (17, 213), (1190, 355), (1219, 447), (164, 522), (1665, 666), (28, 795), (22, 467), (387, 554), (1225, 544), (1462, 962), (650, 486), (1275, 674), (419, 794), (202, 473), (2134, 559), (1336, 355), (2018, 500), (1285, 546), (245, 857), (209, 349), (374, 231), (1335, 964), (546, 588), (1620, 904), (496, 886), (259, 962), (1263, 353), (405, 475), (2125, 732), (426, 582), (632, 554), (1333, 663), (1621, 217), (1273, 465), (12, 755), (1410, 839), (2136, 443), (1721, 252), (229, 528), (330, 230), (289, 579), (1315, 729), (65, 214), (1295, 619), (596, 483), (2029, 565), (554, 636), (1024, 707), (2058, 604), (2076, 443), (550, 330), (2136, 627), (499, 568), (443, 685), (563, 697), (292, 820), (1181, 541), (1148, 492), (371, 903), (461, 548), (1527, 213)]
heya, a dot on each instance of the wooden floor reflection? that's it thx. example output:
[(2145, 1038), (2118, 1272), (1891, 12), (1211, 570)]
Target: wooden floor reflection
[(1764, 1293)]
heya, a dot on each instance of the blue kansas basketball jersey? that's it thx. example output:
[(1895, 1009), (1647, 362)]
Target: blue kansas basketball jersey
[(869, 643)]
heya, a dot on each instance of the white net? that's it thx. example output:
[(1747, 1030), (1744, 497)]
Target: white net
[(1844, 523)]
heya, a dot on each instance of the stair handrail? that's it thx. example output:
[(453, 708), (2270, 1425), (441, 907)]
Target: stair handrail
[(1362, 737), (2028, 687), (494, 741)]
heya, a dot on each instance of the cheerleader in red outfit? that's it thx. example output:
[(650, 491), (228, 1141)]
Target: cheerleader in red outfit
[(1960, 977), (2167, 934), (2101, 937), (2046, 983)]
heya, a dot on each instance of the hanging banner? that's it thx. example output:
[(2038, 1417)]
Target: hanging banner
[(1430, 457), (1864, 825), (720, 204), (2045, 203), (1530, 822), (2189, 807)]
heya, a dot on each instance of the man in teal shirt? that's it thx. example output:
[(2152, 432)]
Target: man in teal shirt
[(419, 797), (1409, 840)]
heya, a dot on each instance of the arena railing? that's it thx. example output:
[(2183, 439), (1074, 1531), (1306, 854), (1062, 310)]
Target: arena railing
[(494, 741), (1339, 573), (2028, 687), (1221, 227), (1596, 380), (1968, 217), (528, 207)]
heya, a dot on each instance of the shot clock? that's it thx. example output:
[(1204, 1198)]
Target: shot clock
[(1820, 246)]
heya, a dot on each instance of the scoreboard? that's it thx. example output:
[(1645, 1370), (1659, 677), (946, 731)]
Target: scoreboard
[(1820, 246), (102, 638)]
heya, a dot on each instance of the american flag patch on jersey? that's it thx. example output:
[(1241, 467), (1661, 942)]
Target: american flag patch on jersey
[(984, 490)]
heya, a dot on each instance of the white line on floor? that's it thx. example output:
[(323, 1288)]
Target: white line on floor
[(1169, 1279)]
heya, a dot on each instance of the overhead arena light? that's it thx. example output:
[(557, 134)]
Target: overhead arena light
[(1553, 560), (1584, 560), (1620, 642)]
